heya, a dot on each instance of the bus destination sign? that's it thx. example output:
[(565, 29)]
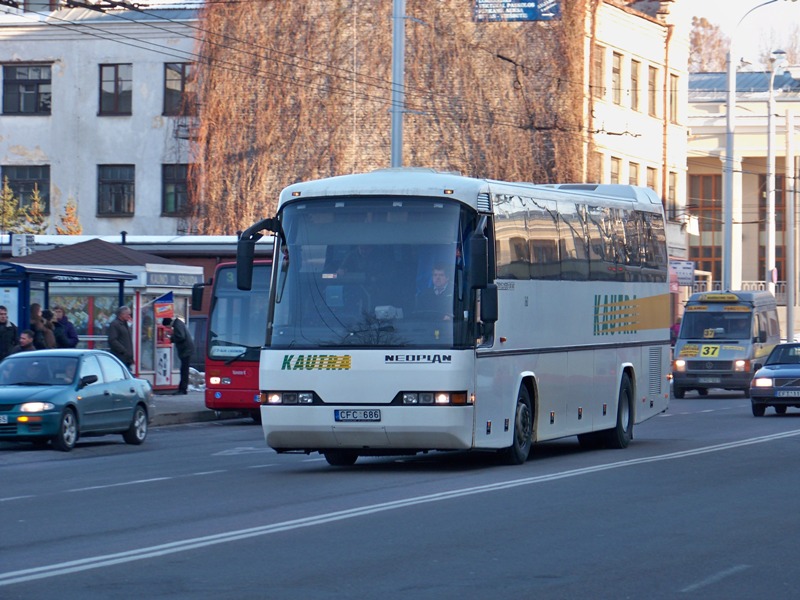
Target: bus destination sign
[(515, 10)]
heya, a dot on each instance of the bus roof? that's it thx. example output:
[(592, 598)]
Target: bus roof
[(751, 297), (408, 181)]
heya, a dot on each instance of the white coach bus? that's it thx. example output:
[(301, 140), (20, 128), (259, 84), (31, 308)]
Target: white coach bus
[(412, 310)]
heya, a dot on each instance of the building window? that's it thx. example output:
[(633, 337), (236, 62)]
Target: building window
[(115, 190), (24, 179), (705, 199), (652, 91), (26, 90), (633, 174), (616, 77), (673, 98), (173, 189), (598, 72), (672, 196), (780, 224), (652, 179), (616, 164), (116, 89), (179, 89), (635, 68)]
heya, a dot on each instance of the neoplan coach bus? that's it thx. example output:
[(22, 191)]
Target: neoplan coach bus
[(555, 321)]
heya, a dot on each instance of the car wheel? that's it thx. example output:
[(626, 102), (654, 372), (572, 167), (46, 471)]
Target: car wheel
[(746, 392), (678, 392), (67, 434), (341, 458), (621, 435), (522, 435), (256, 416), (759, 409), (137, 432), (781, 410)]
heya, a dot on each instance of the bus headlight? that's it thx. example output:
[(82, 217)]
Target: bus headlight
[(431, 398), (762, 382), (679, 364), (287, 397)]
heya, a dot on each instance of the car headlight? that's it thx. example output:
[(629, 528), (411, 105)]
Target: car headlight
[(34, 407), (762, 382), (741, 365), (679, 365)]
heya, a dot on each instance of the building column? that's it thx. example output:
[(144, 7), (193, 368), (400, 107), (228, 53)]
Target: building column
[(736, 241)]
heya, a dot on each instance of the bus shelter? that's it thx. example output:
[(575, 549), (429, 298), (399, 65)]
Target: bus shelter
[(22, 285)]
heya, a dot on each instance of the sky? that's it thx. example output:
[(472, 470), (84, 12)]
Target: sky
[(772, 22)]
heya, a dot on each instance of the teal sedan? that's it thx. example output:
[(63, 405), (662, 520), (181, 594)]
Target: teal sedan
[(59, 396)]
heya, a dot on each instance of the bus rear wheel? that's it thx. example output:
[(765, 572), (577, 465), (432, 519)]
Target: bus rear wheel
[(621, 435), (341, 458), (522, 436)]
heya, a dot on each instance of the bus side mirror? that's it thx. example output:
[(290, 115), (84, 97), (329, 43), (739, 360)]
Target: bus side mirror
[(197, 295), (478, 261), (489, 303), (245, 252)]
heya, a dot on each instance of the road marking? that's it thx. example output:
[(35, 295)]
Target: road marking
[(715, 578), (122, 483), (97, 562)]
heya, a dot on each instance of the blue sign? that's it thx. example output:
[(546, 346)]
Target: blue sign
[(513, 10)]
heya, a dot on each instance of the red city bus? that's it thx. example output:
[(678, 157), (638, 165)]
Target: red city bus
[(237, 323)]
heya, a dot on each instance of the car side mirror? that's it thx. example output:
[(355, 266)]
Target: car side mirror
[(757, 366), (88, 380)]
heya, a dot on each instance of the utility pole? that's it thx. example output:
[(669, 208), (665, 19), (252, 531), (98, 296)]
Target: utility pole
[(398, 77)]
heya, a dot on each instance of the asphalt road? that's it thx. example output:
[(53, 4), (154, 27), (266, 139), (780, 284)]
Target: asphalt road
[(701, 505)]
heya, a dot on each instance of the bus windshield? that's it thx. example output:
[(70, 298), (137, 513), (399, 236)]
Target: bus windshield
[(370, 272), (237, 323), (704, 325)]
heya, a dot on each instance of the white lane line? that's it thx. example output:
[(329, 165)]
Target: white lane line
[(10, 498), (96, 562), (120, 484), (716, 577)]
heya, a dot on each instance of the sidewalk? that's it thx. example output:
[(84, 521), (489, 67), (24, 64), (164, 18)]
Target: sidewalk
[(191, 408)]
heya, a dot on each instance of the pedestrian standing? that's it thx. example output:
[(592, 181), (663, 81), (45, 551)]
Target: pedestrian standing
[(184, 344), (120, 339), (70, 333), (25, 342), (37, 326), (8, 333), (47, 329)]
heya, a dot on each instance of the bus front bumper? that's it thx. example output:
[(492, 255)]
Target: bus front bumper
[(314, 428)]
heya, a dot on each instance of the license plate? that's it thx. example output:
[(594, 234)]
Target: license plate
[(780, 394), (3, 418), (366, 414), (709, 380)]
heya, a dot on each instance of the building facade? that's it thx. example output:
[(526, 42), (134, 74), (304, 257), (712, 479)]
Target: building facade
[(96, 110)]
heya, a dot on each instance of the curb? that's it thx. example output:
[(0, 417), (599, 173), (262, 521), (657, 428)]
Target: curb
[(200, 416)]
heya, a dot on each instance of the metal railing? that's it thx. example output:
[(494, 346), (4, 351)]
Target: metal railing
[(750, 286)]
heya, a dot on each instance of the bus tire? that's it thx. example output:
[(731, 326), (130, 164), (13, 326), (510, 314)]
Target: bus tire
[(522, 435), (621, 435), (341, 458)]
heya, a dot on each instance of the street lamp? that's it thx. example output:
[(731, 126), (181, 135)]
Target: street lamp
[(727, 169), (776, 62)]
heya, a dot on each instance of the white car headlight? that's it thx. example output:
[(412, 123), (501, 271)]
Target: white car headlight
[(762, 382), (34, 407)]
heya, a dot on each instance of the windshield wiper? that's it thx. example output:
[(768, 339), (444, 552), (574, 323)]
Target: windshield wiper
[(28, 383)]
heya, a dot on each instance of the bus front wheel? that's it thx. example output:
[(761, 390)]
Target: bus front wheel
[(620, 436), (341, 458), (522, 436)]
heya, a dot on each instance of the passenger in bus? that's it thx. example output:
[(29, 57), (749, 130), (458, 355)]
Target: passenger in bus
[(437, 299)]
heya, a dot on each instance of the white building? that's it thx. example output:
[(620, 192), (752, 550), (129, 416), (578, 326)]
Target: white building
[(94, 111)]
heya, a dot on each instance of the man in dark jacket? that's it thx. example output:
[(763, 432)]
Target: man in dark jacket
[(184, 344), (70, 339), (25, 342), (120, 340), (8, 333)]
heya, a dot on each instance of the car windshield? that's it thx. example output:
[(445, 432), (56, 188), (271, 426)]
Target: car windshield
[(784, 355), (37, 370), (716, 325)]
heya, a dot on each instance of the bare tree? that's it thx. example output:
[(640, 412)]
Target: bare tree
[(708, 47), (302, 89), (789, 43)]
